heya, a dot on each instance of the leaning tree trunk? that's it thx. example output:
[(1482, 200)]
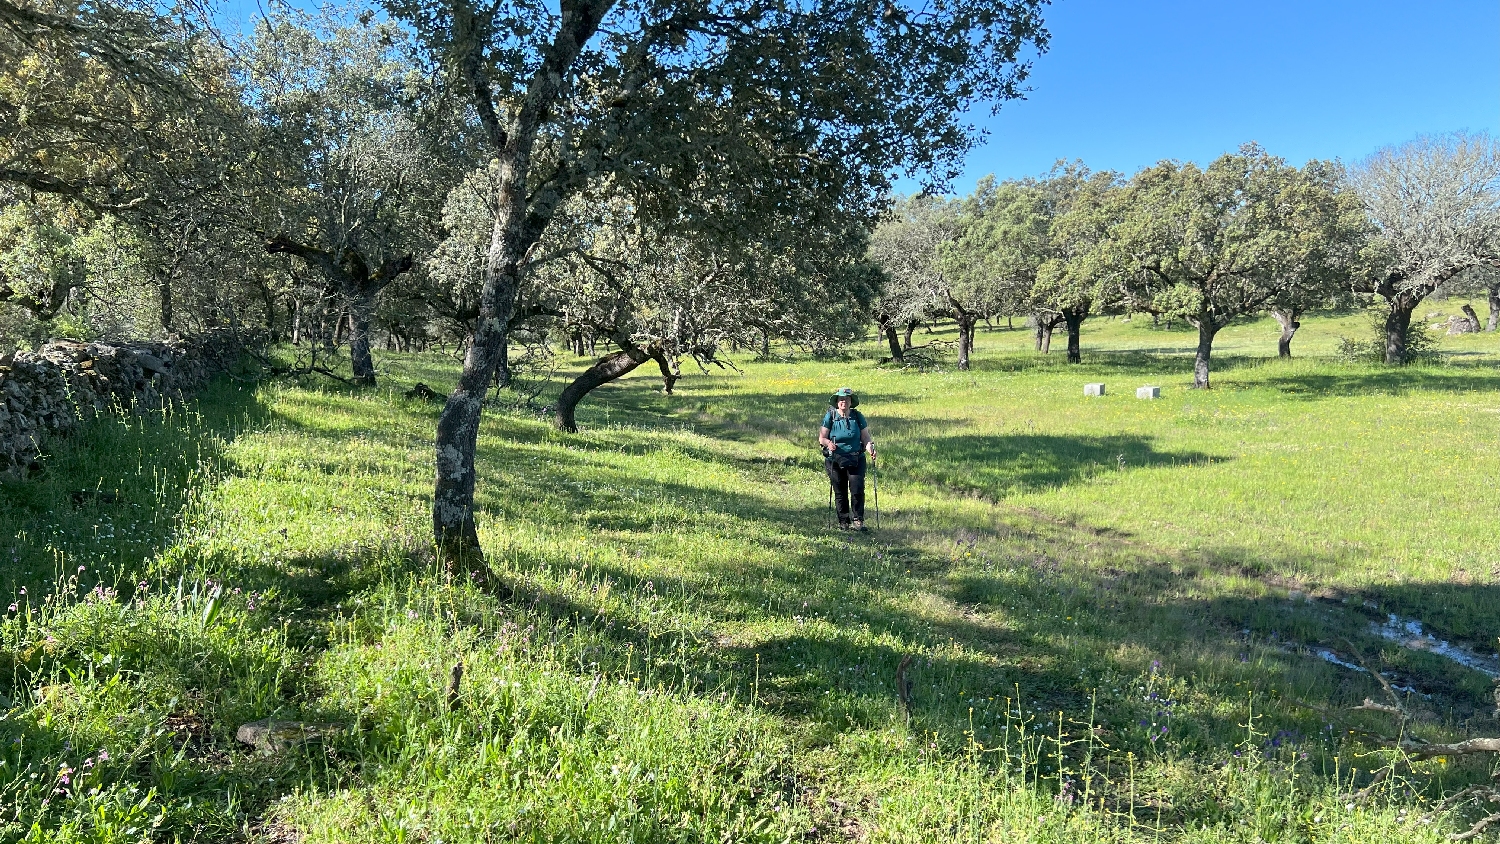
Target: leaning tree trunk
[(1044, 337), (906, 338), (965, 339), (1397, 325), (1494, 295), (893, 341), (1206, 331), (1473, 317), (670, 371), (1289, 325), (361, 310), (607, 369), (1074, 321)]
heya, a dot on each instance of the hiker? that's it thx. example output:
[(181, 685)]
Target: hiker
[(845, 437)]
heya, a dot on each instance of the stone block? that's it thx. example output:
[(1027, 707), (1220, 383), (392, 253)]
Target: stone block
[(1148, 392), (272, 736), (1093, 389)]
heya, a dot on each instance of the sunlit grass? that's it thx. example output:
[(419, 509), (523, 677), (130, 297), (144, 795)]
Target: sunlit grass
[(1107, 607)]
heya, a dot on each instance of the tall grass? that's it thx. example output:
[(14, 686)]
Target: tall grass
[(1108, 610)]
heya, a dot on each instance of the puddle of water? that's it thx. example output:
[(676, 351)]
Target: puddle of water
[(1329, 656), (1408, 633)]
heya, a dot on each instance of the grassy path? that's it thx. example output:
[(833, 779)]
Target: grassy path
[(1111, 611)]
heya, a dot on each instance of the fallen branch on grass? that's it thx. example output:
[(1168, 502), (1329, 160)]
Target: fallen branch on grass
[(1364, 793), (1474, 830), (1417, 750), (311, 367), (1372, 706), (922, 358), (1473, 745)]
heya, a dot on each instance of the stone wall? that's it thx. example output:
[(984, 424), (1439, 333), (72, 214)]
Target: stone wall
[(49, 393)]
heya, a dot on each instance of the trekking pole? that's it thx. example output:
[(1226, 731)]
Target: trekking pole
[(875, 480), (828, 520)]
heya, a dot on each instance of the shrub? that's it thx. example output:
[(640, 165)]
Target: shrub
[(1421, 343)]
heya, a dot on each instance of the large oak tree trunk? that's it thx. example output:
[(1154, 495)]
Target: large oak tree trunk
[(1045, 337), (1289, 325), (906, 339), (965, 339), (893, 341), (1397, 324), (607, 369), (1074, 322), (1494, 296), (453, 523), (361, 310), (1206, 331)]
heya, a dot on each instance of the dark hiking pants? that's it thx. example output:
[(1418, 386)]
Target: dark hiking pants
[(848, 488)]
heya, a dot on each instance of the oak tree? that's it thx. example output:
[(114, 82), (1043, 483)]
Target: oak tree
[(662, 96), (354, 179), (1435, 206), (908, 247), (1214, 244)]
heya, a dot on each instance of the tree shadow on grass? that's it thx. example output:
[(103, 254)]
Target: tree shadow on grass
[(111, 496), (1000, 630), (1393, 381), (979, 628), (994, 467)]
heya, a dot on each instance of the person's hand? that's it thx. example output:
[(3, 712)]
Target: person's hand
[(870, 447)]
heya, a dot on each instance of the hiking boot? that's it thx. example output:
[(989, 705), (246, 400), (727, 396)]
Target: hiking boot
[(843, 524), (857, 524)]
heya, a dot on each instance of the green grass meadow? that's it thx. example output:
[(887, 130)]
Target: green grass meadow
[(1080, 619)]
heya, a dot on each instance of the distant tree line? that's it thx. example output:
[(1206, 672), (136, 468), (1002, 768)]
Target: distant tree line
[(1247, 235)]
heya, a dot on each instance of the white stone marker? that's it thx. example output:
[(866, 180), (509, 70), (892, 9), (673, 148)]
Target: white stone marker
[(1093, 389), (1148, 392)]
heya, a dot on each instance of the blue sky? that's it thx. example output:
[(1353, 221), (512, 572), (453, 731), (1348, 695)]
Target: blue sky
[(1126, 83)]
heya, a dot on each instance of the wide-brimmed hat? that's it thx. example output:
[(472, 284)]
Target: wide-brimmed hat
[(844, 393)]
